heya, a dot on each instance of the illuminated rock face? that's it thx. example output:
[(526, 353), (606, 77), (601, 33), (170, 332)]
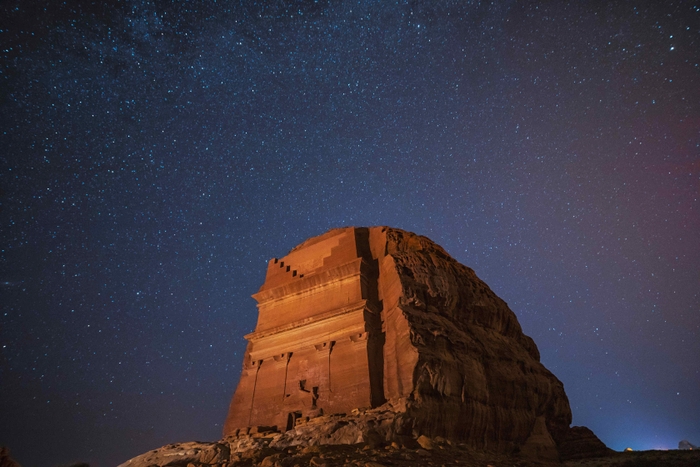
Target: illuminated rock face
[(318, 341), (359, 316)]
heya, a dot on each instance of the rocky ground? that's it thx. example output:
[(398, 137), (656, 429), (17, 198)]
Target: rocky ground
[(356, 456), (366, 439), (364, 456), (426, 452)]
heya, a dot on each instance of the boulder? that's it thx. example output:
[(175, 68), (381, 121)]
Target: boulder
[(182, 454), (686, 445), (580, 442)]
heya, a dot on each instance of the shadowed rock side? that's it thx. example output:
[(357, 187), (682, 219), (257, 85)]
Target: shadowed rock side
[(477, 377), (5, 459)]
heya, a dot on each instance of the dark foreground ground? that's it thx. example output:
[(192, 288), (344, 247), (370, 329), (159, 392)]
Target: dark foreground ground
[(643, 459), (446, 455), (442, 455)]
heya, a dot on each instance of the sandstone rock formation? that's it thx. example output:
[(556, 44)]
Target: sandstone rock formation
[(686, 445), (360, 316)]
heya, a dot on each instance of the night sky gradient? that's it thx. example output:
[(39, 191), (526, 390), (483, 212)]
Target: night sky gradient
[(154, 155)]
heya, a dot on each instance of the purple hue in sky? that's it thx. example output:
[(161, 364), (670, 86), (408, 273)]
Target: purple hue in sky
[(155, 155)]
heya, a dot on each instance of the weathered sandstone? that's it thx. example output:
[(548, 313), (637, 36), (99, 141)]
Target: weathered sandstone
[(360, 316)]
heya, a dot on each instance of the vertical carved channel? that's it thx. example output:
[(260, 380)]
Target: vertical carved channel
[(258, 364), (373, 317), (288, 357), (326, 347), (330, 350)]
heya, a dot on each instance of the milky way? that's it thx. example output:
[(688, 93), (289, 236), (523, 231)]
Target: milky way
[(155, 155)]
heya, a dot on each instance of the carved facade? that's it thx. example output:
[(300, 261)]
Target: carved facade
[(317, 343)]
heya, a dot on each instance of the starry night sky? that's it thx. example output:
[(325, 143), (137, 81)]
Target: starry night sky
[(154, 155)]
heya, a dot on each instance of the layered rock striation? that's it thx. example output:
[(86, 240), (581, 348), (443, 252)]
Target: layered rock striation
[(361, 316)]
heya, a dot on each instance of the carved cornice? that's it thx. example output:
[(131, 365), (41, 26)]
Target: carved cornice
[(311, 283), (311, 320)]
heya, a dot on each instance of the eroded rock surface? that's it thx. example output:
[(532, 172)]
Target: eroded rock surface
[(476, 377), (358, 316)]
